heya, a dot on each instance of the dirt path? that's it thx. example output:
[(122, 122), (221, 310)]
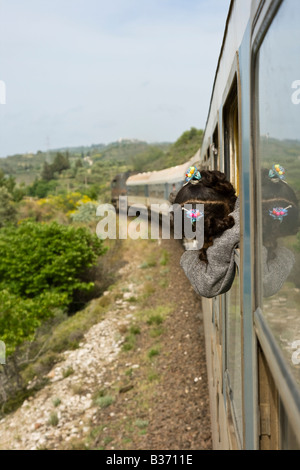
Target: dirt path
[(180, 418), (138, 380)]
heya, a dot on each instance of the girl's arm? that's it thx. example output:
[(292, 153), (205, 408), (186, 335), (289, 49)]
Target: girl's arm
[(216, 277), (277, 270)]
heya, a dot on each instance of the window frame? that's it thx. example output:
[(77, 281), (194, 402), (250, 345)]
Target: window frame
[(286, 384), (231, 101)]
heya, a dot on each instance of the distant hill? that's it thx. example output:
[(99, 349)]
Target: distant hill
[(122, 155), (27, 167), (176, 154)]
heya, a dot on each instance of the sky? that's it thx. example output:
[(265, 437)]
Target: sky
[(83, 72)]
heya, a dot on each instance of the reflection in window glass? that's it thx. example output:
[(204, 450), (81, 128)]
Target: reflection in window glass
[(279, 151), (288, 438), (234, 352)]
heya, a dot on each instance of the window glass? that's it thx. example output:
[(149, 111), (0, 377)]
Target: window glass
[(157, 191), (216, 149), (288, 438), (278, 77), (234, 350), (231, 137), (138, 190)]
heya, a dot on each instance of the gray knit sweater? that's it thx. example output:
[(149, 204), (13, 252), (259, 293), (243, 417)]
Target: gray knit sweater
[(216, 277)]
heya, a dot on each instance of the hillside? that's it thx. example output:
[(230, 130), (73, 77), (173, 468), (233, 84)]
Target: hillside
[(27, 167), (53, 278), (137, 377), (90, 170)]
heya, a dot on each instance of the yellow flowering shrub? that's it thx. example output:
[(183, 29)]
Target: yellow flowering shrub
[(67, 203)]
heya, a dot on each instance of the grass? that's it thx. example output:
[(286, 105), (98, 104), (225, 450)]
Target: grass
[(150, 261), (164, 259), (155, 319), (103, 399), (153, 352), (53, 419), (135, 330), (65, 335), (163, 283), (67, 372), (56, 402), (129, 372), (140, 343), (155, 332), (141, 423), (156, 315), (148, 289), (130, 338), (153, 376)]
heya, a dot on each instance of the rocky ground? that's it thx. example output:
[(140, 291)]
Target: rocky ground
[(138, 379)]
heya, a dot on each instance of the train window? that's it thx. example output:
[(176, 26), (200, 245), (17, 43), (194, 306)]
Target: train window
[(215, 149), (138, 190), (231, 137), (157, 191), (278, 149)]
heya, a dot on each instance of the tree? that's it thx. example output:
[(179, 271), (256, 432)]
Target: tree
[(8, 182), (37, 257), (61, 162), (47, 172), (7, 209), (189, 136), (41, 188), (16, 193), (42, 266), (19, 317)]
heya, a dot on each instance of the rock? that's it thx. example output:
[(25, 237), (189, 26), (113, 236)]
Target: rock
[(88, 404), (126, 388)]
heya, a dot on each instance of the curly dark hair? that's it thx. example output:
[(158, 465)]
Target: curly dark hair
[(218, 196), (275, 195)]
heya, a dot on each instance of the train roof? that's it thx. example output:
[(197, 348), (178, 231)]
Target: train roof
[(172, 175), (238, 18)]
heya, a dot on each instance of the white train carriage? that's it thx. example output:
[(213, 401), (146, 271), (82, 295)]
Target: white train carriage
[(155, 187)]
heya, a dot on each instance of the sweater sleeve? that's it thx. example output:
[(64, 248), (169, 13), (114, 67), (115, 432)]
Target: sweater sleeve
[(216, 277), (277, 270)]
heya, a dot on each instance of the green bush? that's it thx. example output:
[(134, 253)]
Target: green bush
[(7, 208), (41, 268), (19, 317), (85, 212), (41, 188), (37, 257)]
